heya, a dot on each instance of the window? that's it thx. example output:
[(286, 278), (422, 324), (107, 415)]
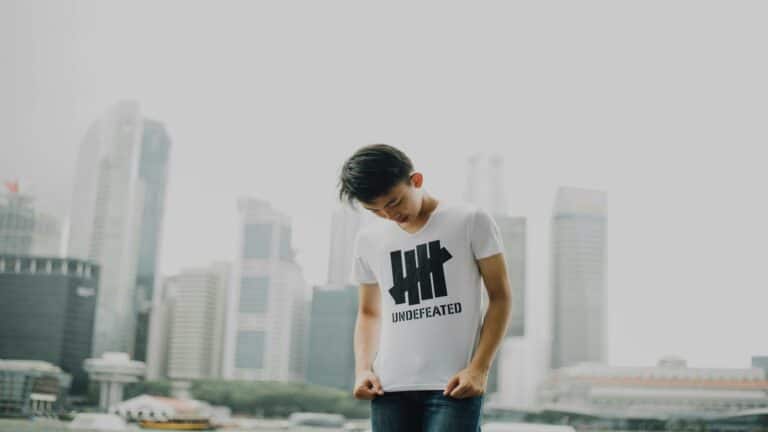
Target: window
[(250, 350), (254, 294), (257, 241)]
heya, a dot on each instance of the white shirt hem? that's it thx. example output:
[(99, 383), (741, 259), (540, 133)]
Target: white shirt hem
[(417, 387)]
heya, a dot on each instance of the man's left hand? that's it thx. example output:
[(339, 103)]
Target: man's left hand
[(468, 382)]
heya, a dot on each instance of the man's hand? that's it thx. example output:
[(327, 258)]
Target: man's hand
[(468, 382), (367, 386)]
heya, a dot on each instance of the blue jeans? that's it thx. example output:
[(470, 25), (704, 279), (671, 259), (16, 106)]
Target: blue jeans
[(425, 411)]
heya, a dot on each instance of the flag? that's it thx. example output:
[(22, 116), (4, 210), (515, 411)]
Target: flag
[(12, 186)]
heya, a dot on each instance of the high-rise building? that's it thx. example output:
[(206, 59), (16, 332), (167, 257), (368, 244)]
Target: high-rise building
[(266, 319), (196, 322), (47, 311), (578, 272), (331, 359), (116, 216), (153, 172)]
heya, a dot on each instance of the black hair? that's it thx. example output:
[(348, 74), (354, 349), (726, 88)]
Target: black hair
[(372, 171)]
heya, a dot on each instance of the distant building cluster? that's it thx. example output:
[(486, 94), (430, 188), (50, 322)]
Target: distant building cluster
[(79, 295)]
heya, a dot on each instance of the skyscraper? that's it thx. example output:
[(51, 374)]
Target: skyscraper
[(333, 310), (332, 327), (115, 216), (266, 327), (153, 172), (578, 271)]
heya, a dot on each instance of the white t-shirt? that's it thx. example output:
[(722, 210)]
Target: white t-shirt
[(431, 318)]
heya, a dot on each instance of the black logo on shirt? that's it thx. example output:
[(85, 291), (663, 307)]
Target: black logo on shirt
[(416, 282)]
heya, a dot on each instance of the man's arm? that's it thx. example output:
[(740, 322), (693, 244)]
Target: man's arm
[(366, 341), (471, 381), (494, 271)]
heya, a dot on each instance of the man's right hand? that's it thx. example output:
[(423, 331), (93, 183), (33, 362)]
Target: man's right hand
[(367, 386)]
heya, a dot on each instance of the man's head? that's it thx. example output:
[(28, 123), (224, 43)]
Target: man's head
[(382, 179)]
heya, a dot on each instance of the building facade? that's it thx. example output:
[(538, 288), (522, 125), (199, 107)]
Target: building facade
[(32, 388), (47, 311), (331, 359), (115, 218), (266, 332), (578, 273), (17, 223), (195, 325), (153, 173), (23, 230)]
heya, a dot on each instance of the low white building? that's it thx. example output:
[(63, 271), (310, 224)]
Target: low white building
[(667, 390)]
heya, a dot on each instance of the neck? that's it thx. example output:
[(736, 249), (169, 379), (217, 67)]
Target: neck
[(428, 204)]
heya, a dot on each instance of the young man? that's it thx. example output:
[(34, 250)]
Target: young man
[(422, 348)]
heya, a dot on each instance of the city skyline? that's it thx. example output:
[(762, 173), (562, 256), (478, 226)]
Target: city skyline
[(677, 148)]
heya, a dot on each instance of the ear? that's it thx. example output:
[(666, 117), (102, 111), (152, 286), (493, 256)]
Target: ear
[(417, 179)]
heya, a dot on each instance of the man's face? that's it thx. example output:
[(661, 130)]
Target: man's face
[(400, 204)]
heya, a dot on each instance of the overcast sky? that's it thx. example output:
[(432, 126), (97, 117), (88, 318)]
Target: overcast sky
[(663, 105)]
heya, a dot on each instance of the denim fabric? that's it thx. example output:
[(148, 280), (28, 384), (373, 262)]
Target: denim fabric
[(425, 411)]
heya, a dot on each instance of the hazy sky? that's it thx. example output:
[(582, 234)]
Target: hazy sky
[(661, 104)]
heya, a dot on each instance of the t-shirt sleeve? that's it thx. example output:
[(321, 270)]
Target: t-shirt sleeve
[(485, 236), (361, 271)]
